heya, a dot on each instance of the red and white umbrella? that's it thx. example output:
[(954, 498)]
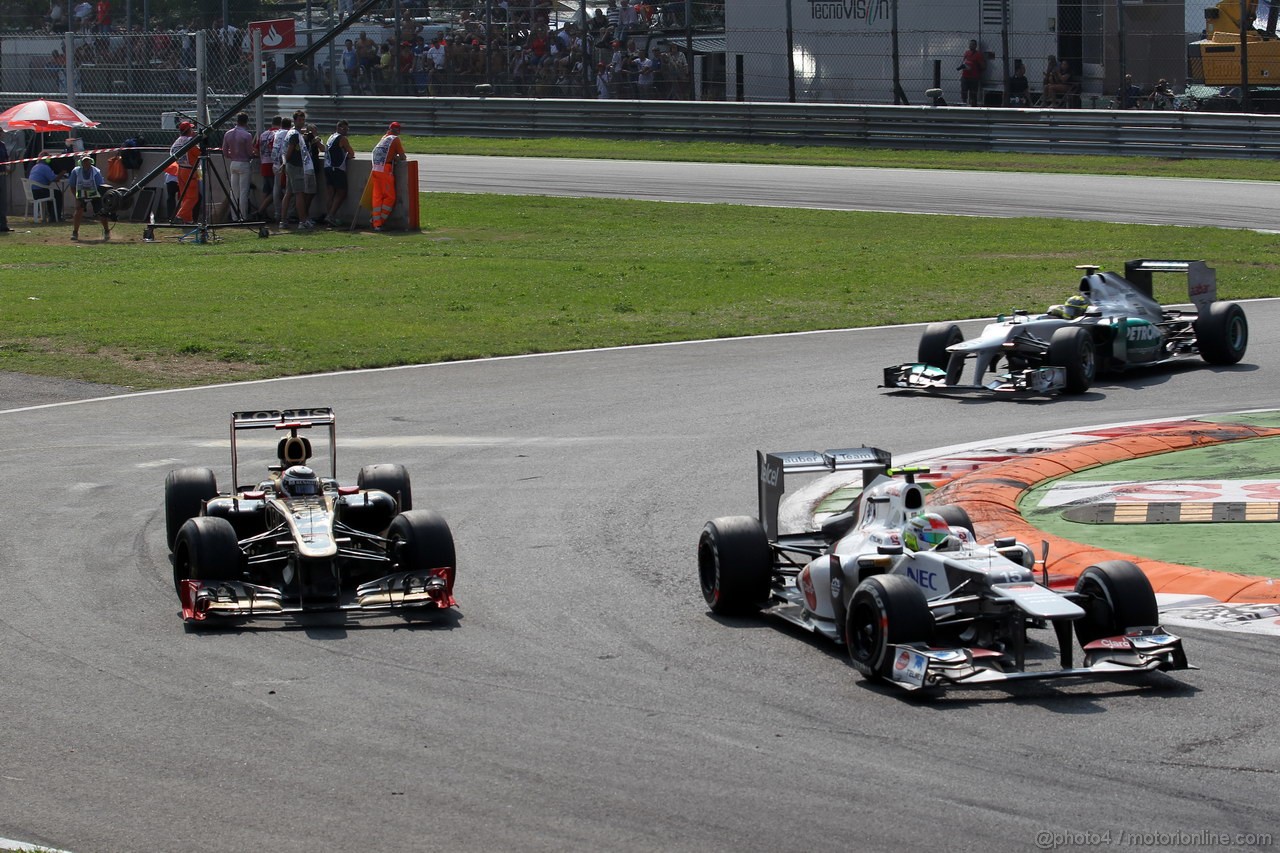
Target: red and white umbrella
[(44, 117)]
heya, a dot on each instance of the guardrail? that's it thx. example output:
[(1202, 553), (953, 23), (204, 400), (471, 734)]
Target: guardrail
[(1085, 131)]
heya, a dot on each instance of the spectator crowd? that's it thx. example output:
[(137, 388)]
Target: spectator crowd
[(531, 48)]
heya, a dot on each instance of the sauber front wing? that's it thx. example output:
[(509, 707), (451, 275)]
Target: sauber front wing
[(917, 666)]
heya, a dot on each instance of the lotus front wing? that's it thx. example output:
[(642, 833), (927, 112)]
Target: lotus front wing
[(202, 601)]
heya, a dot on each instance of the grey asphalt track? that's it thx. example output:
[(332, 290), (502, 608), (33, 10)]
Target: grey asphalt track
[(1152, 201), (583, 698)]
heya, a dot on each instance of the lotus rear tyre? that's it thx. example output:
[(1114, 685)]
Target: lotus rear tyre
[(185, 491), (1117, 597), (886, 610), (735, 565), (392, 479)]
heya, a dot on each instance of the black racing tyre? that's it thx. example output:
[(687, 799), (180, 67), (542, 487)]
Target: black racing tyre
[(185, 491), (934, 342), (735, 565), (206, 549), (885, 610), (1117, 597), (421, 539), (954, 516), (1072, 347), (392, 479), (1222, 333)]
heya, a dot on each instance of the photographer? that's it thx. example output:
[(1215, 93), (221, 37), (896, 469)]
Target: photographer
[(86, 184)]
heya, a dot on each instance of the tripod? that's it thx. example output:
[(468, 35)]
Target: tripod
[(203, 230)]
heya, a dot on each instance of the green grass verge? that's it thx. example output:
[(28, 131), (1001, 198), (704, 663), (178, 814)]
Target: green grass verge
[(797, 155), (503, 275)]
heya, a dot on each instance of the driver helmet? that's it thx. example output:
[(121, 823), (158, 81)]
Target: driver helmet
[(1074, 307), (925, 531), (299, 480)]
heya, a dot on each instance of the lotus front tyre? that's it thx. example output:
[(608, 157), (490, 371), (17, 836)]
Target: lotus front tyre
[(206, 549), (421, 539)]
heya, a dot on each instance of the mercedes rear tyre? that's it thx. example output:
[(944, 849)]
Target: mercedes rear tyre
[(1222, 333), (392, 479), (421, 539), (185, 492), (1071, 347), (1117, 597), (886, 610), (735, 565), (206, 549)]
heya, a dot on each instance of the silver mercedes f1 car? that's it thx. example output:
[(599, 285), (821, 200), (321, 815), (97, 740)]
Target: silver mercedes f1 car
[(1112, 324), (297, 541), (913, 597)]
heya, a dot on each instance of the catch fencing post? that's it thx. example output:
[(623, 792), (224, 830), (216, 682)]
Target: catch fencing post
[(69, 65), (202, 109), (259, 109)]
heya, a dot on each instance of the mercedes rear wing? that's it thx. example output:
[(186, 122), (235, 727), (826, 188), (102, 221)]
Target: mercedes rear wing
[(285, 419), (1202, 279), (772, 468)]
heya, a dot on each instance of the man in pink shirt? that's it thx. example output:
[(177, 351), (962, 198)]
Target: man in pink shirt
[(237, 151)]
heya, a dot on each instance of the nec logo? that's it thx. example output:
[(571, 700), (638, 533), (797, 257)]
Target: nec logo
[(924, 577), (770, 474), (1145, 332)]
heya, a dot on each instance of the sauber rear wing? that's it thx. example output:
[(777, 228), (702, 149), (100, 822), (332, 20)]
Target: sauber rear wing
[(1202, 279), (285, 419), (772, 468)]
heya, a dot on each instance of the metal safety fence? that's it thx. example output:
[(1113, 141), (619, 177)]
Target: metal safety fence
[(1085, 131)]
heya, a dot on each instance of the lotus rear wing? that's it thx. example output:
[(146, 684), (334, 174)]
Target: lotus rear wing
[(1202, 279), (285, 419), (772, 468)]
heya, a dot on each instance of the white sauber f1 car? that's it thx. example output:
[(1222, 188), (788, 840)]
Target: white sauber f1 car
[(296, 541), (1112, 324), (914, 598)]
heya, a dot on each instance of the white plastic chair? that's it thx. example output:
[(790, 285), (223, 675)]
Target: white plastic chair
[(34, 204)]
